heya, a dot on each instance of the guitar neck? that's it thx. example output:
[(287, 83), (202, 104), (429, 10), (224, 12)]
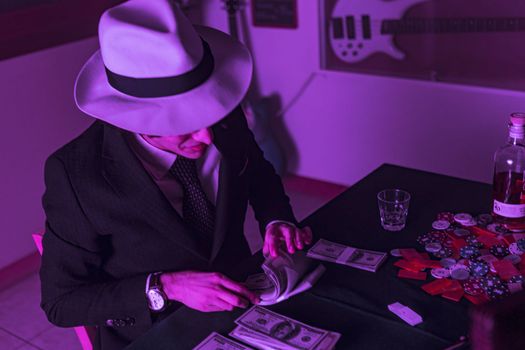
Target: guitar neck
[(232, 24), (452, 25)]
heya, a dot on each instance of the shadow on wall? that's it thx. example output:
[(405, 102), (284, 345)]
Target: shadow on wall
[(269, 127), (279, 132)]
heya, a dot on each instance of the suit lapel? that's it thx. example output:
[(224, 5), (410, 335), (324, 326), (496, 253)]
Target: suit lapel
[(139, 194)]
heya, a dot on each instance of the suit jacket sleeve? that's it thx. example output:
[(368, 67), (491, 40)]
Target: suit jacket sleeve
[(74, 289), (267, 195)]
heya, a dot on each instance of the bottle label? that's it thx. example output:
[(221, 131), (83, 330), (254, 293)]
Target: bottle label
[(509, 210)]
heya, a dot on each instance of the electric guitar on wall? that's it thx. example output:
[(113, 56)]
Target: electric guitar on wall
[(258, 112), (360, 28)]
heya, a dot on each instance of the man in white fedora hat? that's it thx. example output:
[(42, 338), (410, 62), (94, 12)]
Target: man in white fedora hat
[(145, 209)]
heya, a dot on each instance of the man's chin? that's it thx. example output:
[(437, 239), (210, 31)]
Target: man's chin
[(194, 154)]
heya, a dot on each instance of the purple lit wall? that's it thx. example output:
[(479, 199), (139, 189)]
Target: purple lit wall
[(344, 125), (38, 115)]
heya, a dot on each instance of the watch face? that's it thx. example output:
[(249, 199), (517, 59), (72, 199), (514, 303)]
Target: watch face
[(156, 301)]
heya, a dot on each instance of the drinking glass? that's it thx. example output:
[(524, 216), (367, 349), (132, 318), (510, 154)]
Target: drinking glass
[(393, 208)]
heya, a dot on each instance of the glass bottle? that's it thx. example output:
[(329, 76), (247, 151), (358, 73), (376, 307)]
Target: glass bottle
[(509, 165)]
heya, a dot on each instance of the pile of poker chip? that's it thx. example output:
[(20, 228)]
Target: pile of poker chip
[(467, 256)]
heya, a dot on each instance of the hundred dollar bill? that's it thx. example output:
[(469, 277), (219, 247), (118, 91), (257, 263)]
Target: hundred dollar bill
[(284, 276), (281, 329), (363, 259), (263, 342), (216, 341)]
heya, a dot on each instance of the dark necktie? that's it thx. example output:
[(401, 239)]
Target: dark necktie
[(197, 211)]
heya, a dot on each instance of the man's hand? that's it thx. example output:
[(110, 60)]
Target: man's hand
[(294, 238), (206, 291)]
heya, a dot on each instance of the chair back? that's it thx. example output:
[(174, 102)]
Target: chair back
[(85, 334)]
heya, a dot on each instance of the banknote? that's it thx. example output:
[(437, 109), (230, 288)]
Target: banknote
[(267, 330), (363, 259), (281, 329), (284, 276), (215, 341)]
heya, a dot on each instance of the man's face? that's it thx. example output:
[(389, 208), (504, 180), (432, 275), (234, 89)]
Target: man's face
[(191, 145)]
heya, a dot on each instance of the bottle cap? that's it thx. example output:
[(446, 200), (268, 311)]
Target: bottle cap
[(517, 119)]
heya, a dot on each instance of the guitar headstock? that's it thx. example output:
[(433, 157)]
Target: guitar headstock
[(232, 6)]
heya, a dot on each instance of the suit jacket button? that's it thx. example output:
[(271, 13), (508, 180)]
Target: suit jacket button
[(110, 322), (119, 323)]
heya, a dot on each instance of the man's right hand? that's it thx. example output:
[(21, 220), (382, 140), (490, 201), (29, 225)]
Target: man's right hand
[(206, 291)]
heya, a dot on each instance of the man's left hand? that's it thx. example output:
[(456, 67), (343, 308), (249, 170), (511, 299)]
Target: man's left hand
[(293, 237)]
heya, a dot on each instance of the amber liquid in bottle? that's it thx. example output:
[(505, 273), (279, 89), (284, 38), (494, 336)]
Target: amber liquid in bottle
[(508, 189), (509, 168)]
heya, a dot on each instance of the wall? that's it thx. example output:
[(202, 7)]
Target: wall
[(340, 126), (336, 126), (38, 115)]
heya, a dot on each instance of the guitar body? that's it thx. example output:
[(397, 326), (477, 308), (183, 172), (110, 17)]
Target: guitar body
[(355, 28)]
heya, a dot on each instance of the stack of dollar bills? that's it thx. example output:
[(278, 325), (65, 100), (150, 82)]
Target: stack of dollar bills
[(215, 341), (368, 260), (284, 276), (264, 329)]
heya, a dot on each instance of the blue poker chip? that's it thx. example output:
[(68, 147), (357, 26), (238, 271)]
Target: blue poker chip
[(490, 281), (479, 268), (498, 292), (517, 279), (473, 241), (521, 244), (499, 250), (468, 251)]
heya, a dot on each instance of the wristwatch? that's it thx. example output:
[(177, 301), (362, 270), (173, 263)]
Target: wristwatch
[(157, 300)]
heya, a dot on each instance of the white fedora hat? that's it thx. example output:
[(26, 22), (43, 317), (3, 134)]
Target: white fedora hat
[(157, 74)]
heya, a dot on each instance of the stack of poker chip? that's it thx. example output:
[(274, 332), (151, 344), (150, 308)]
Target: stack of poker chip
[(467, 256)]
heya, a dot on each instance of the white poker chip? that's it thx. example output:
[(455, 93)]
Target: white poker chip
[(396, 253), (469, 223), (513, 249), (461, 232), (447, 262), (459, 272), (440, 225), (440, 273), (513, 258), (433, 247), (462, 217)]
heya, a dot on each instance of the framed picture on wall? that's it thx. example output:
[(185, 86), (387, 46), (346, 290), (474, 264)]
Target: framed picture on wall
[(474, 42), (31, 25)]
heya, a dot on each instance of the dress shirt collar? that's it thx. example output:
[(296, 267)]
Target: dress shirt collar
[(158, 161)]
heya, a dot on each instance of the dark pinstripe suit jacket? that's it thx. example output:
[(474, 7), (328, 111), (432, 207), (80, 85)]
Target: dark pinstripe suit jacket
[(108, 226)]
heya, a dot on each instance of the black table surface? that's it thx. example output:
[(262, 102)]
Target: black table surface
[(350, 301)]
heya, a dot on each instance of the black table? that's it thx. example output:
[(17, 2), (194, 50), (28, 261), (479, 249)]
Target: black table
[(350, 301)]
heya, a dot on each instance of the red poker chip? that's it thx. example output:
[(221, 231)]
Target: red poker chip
[(438, 236), (447, 216), (473, 287)]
